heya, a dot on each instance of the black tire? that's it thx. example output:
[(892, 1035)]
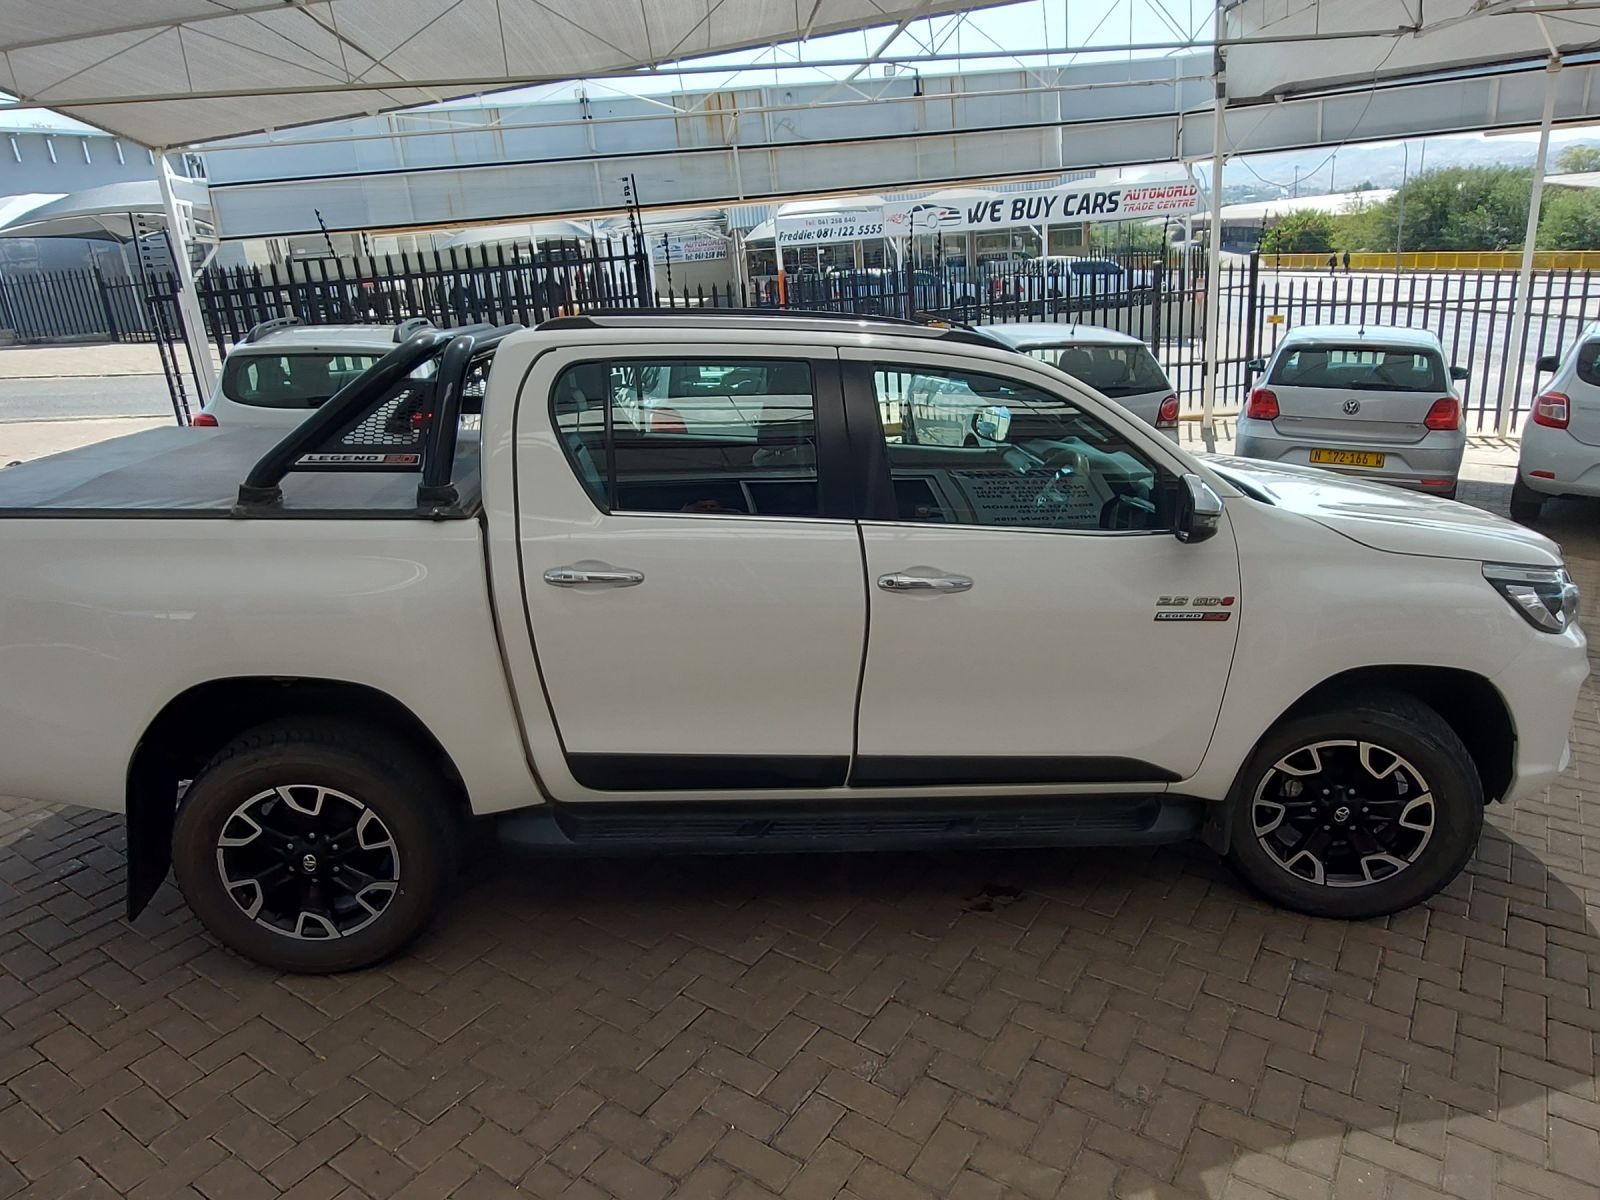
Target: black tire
[(1431, 761), (1525, 502), (345, 769)]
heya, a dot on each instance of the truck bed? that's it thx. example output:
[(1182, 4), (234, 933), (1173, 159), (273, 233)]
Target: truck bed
[(179, 472)]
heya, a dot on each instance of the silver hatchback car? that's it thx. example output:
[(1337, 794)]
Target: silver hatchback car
[(1373, 401)]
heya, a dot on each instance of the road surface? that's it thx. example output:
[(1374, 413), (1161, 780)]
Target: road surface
[(66, 398)]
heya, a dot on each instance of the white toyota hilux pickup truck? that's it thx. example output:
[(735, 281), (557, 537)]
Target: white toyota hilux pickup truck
[(681, 582)]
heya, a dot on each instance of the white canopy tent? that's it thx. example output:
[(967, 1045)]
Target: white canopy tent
[(176, 72), (108, 213), (14, 208)]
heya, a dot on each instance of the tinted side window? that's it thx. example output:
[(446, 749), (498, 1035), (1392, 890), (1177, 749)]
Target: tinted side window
[(971, 449), (692, 435), (1588, 366)]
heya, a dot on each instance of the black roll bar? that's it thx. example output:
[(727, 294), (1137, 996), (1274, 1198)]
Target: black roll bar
[(262, 487), (439, 455)]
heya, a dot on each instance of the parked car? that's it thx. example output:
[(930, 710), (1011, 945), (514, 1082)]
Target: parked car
[(1061, 277), (1116, 365), (1561, 440), (822, 633), (283, 371), (1376, 401)]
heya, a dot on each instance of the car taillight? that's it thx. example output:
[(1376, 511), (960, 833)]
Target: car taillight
[(1445, 414), (1263, 405), (204, 421), (1167, 414), (1553, 409)]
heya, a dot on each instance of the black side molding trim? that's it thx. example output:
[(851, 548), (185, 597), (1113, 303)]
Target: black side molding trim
[(890, 770), (708, 772), (783, 826)]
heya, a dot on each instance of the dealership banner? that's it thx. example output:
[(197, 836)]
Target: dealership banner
[(687, 246), (1063, 205), (834, 225)]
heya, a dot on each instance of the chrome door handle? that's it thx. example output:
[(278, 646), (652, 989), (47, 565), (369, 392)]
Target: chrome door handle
[(598, 575), (902, 581)]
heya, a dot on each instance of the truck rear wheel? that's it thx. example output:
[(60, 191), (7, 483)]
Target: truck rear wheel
[(314, 846), (1357, 810)]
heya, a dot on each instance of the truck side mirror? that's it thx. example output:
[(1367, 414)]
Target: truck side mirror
[(1548, 363), (1199, 510)]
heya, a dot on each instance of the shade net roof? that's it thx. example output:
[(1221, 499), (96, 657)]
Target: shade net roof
[(175, 72), (1299, 46)]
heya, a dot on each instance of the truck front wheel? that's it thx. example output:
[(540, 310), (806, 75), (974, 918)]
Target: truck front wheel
[(314, 846), (1357, 810)]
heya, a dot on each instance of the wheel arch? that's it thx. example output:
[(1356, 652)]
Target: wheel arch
[(198, 722), (1468, 702)]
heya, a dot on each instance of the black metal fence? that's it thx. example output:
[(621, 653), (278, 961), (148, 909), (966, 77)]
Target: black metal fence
[(40, 306), (499, 284), (1159, 299)]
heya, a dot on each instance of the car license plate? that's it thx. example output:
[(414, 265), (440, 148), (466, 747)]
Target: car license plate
[(1346, 458)]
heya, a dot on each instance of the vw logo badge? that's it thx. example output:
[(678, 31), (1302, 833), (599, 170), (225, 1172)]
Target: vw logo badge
[(1352, 406)]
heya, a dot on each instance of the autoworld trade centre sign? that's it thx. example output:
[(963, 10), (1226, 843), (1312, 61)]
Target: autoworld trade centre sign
[(1100, 202)]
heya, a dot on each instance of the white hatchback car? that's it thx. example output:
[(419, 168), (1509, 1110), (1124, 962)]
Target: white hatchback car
[(1561, 439), (1117, 365), (1373, 401), (282, 371)]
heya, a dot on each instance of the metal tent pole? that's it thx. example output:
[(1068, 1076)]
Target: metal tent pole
[(194, 326), (1208, 394), (1519, 316)]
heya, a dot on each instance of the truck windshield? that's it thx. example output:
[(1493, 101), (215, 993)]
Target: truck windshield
[(289, 380), (1360, 368), (1114, 371)]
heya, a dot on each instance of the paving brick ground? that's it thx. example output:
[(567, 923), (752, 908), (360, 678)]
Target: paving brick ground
[(1033, 1025)]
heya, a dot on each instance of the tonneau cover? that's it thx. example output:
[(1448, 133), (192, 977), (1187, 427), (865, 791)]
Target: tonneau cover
[(176, 471)]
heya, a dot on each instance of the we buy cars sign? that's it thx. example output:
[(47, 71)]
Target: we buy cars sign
[(1104, 202)]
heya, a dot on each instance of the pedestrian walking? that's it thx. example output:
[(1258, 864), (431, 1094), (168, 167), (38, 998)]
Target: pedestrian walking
[(1347, 262)]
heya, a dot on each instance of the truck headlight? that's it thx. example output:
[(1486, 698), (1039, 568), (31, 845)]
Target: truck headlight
[(1545, 596)]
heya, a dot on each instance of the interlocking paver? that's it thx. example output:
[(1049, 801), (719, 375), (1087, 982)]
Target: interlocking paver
[(1126, 1023)]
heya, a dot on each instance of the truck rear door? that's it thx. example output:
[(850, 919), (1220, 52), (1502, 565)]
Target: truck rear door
[(691, 572)]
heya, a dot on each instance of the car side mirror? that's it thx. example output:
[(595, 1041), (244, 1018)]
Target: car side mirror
[(1459, 373), (1199, 510), (1256, 365), (1548, 363)]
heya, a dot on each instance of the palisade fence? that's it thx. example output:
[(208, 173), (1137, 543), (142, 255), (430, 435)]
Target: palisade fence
[(1158, 298), (40, 306)]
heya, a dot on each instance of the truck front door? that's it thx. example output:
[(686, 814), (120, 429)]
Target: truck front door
[(691, 573)]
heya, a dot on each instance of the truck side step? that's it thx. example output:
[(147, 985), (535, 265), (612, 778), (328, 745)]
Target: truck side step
[(847, 825)]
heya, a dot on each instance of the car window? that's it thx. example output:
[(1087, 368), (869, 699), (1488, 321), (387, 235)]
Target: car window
[(1588, 364), (1115, 371), (692, 435), (289, 380), (975, 449), (1360, 367)]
